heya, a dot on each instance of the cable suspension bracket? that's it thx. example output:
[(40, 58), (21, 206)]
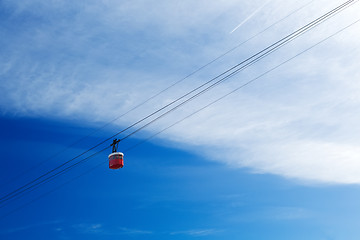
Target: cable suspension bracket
[(115, 145)]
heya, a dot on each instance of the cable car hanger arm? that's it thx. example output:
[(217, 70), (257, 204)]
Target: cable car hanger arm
[(115, 145)]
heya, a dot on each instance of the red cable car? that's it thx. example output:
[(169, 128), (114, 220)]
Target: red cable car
[(116, 159)]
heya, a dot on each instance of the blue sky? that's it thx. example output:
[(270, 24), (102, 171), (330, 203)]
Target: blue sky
[(276, 160)]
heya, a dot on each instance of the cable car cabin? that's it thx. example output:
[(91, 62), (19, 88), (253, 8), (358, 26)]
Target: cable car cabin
[(116, 160)]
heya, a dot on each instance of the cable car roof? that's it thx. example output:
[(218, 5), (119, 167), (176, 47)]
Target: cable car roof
[(116, 153)]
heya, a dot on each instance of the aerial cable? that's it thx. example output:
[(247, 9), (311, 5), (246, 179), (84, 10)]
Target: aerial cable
[(157, 94), (261, 54), (248, 62), (264, 53), (188, 116), (51, 191), (48, 179)]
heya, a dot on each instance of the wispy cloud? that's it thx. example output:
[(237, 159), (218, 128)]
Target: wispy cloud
[(87, 228), (298, 122), (134, 231), (196, 232), (101, 229), (250, 16)]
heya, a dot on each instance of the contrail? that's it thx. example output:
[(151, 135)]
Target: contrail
[(250, 16)]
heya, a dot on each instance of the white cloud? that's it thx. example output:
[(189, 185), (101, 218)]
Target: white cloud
[(250, 16), (100, 229), (300, 121), (129, 231), (196, 232), (90, 228)]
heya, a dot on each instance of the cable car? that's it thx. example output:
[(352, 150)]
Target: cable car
[(116, 159)]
